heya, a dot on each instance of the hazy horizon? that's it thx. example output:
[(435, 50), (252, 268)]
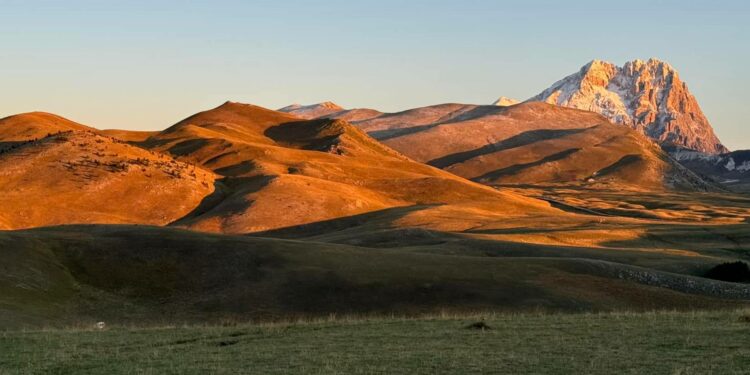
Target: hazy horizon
[(145, 65)]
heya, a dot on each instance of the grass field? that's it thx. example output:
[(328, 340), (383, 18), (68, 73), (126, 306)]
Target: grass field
[(637, 343)]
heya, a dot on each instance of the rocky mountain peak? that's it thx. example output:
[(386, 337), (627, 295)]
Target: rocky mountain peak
[(648, 96)]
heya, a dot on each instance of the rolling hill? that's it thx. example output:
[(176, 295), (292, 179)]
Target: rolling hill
[(149, 275), (35, 125), (531, 143), (234, 169), (280, 170), (82, 177)]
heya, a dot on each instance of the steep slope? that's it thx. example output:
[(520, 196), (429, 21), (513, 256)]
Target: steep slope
[(282, 171), (313, 110), (35, 125), (530, 143), (648, 96), (82, 177)]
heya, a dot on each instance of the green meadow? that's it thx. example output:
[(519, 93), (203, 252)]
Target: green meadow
[(606, 343)]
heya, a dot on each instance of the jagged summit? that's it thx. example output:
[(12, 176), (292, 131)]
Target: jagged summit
[(312, 110), (648, 96)]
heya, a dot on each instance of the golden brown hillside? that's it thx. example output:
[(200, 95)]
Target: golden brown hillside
[(531, 143), (128, 135), (82, 177), (283, 171)]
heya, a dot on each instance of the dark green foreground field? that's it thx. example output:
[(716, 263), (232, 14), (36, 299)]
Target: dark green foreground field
[(638, 343)]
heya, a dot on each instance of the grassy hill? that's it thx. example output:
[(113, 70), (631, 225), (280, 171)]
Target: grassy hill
[(83, 177), (137, 274), (683, 343)]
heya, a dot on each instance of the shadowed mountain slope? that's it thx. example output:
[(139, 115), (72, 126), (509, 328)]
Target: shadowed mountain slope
[(731, 170), (149, 275)]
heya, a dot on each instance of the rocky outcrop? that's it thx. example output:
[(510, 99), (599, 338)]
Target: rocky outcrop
[(648, 96)]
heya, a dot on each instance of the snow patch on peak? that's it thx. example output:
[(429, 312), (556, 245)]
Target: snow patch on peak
[(730, 165), (504, 101)]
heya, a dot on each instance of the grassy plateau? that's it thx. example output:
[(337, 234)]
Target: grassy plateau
[(636, 343)]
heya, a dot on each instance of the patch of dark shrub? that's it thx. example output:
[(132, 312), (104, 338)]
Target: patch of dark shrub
[(736, 272), (479, 326)]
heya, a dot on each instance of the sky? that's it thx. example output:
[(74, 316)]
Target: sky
[(145, 65)]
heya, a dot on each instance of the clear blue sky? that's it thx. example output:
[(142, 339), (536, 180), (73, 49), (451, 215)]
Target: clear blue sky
[(147, 64)]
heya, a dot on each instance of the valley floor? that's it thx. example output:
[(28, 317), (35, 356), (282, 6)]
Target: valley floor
[(637, 343)]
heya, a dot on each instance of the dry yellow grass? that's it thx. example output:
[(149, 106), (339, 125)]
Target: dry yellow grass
[(35, 125), (128, 135), (82, 177), (282, 171)]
